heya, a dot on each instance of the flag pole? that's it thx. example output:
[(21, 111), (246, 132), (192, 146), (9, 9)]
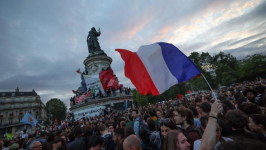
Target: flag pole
[(209, 86)]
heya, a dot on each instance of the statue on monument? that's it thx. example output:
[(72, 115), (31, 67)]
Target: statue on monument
[(92, 41)]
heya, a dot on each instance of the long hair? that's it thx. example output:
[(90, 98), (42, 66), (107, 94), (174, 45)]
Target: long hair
[(171, 140)]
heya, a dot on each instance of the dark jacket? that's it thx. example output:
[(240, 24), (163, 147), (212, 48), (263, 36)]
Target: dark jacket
[(78, 144)]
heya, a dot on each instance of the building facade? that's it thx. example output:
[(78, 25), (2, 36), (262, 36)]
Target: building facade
[(14, 106)]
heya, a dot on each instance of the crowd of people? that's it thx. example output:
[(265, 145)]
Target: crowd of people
[(109, 92), (230, 118)]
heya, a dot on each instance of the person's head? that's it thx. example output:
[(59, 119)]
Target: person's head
[(159, 113), (250, 94), (102, 129), (123, 124), (257, 123), (132, 142), (229, 104), (170, 113), (118, 135), (184, 115), (198, 101), (130, 117), (43, 134), (97, 143), (194, 111), (111, 127), (236, 119), (151, 124), (14, 146), (63, 136), (50, 137), (198, 108), (78, 131), (206, 107), (71, 136), (58, 144), (37, 145), (46, 146), (134, 113), (144, 135), (206, 99), (146, 117), (241, 100), (176, 140), (166, 125), (204, 121), (249, 108), (242, 143), (128, 131)]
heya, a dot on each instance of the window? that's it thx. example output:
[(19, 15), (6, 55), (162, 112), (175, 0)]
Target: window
[(22, 99), (1, 107), (2, 100), (13, 100), (3, 94), (29, 104), (13, 94), (19, 118), (30, 98), (21, 105), (10, 121), (12, 106)]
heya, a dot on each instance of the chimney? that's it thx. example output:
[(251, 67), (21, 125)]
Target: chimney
[(17, 90)]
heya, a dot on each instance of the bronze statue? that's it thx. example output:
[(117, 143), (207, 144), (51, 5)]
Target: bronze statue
[(92, 41)]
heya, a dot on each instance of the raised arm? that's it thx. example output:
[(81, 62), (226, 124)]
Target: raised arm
[(209, 135)]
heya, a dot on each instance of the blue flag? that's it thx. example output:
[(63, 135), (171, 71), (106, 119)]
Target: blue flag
[(125, 104), (84, 87), (29, 119)]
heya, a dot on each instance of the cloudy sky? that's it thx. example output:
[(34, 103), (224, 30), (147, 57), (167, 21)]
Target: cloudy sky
[(43, 43)]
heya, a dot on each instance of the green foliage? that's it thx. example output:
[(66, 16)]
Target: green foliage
[(55, 108), (141, 100), (253, 66), (225, 75)]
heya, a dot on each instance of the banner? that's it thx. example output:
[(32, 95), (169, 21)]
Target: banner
[(94, 82), (81, 98), (89, 112)]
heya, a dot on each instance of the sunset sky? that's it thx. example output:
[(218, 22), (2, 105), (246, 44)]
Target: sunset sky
[(43, 43)]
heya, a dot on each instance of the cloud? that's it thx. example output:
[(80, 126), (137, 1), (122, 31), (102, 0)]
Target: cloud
[(42, 44)]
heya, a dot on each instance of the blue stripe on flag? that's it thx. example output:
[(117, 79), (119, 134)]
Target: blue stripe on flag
[(178, 63)]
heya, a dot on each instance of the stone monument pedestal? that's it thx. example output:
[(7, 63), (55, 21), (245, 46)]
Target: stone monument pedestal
[(95, 63)]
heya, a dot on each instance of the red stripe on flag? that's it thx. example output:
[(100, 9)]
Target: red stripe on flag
[(137, 73)]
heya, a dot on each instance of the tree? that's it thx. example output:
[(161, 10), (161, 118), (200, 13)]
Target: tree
[(225, 75), (55, 108), (141, 100), (252, 66)]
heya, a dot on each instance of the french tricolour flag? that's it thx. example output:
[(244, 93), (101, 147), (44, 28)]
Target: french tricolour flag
[(155, 68)]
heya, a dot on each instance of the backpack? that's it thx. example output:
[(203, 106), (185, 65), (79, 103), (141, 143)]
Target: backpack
[(109, 144), (193, 130), (142, 125), (155, 137)]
